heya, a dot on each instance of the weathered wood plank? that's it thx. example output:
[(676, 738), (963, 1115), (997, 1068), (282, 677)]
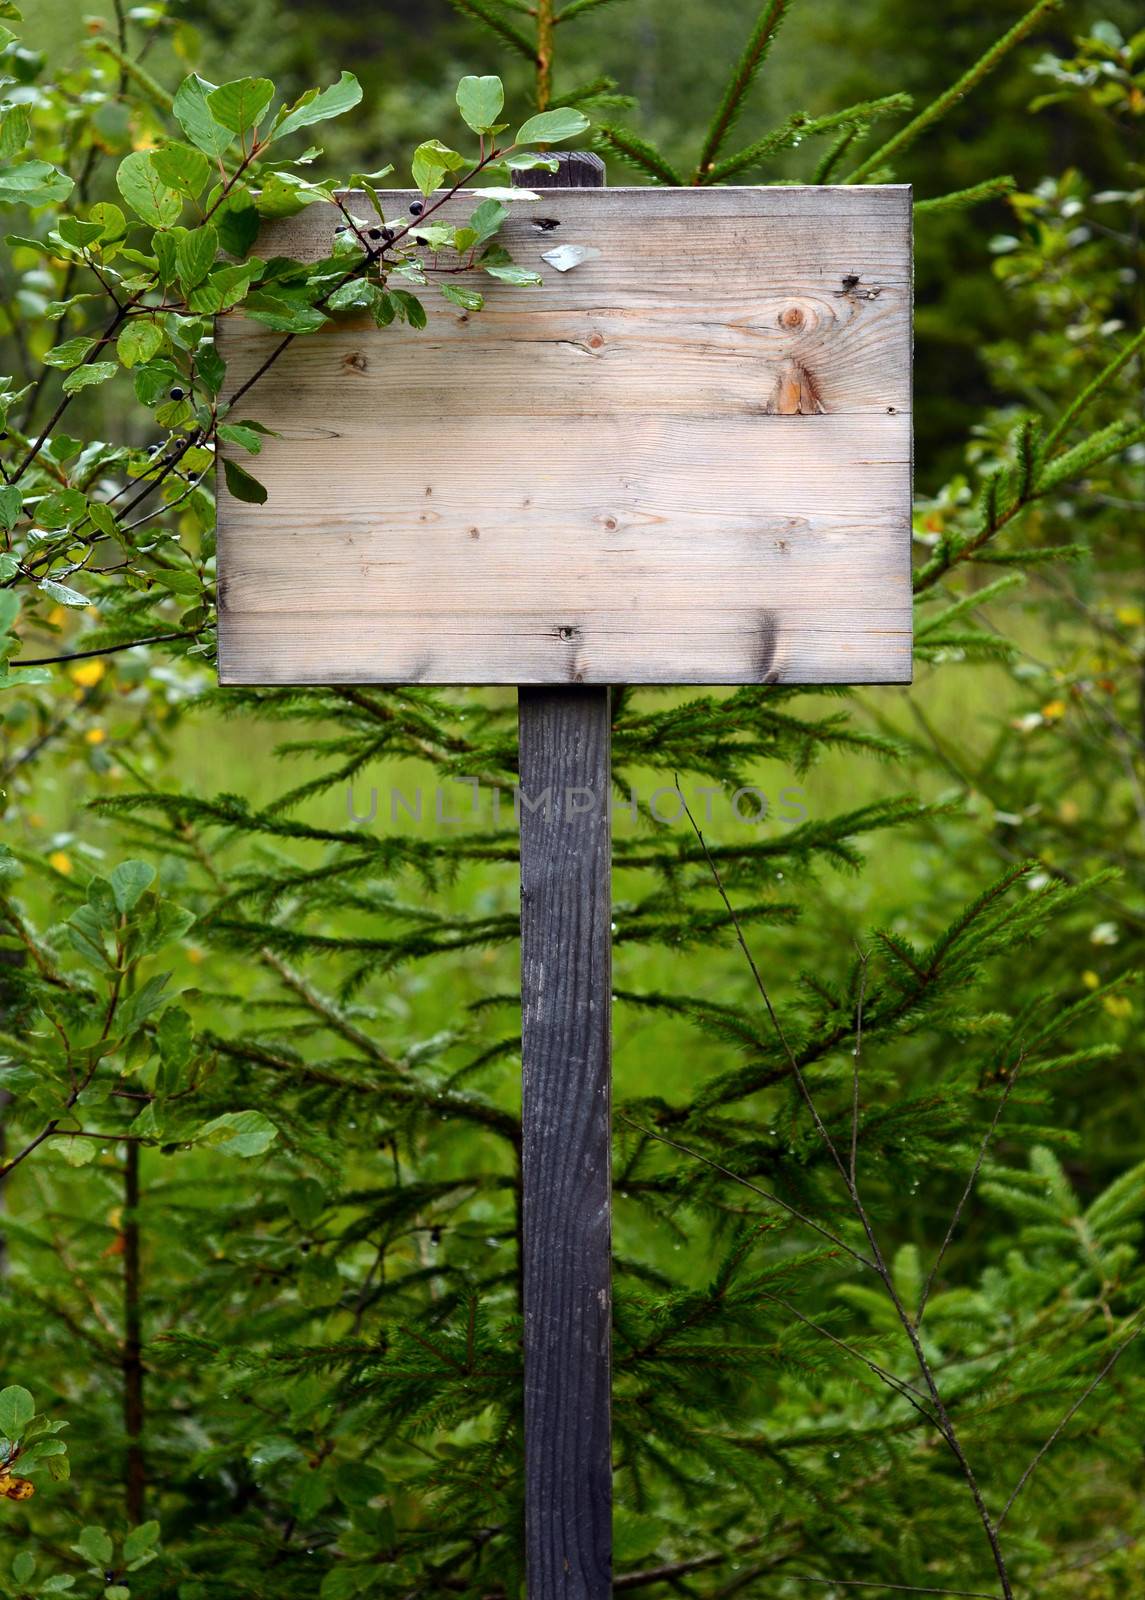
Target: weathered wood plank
[(566, 983), (718, 415), (571, 646), (565, 742)]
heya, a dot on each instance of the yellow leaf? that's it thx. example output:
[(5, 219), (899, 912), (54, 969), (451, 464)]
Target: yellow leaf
[(1091, 980), (60, 862), (1117, 1005), (88, 673), (95, 736), (1053, 709)]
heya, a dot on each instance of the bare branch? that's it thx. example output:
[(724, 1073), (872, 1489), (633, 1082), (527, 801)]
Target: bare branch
[(970, 1182), (1070, 1414)]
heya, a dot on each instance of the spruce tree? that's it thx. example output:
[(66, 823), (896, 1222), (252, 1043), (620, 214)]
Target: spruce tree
[(877, 1191)]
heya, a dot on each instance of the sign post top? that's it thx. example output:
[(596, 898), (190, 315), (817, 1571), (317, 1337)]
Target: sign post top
[(685, 458)]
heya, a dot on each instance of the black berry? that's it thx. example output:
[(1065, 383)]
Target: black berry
[(177, 393), (374, 233), (416, 209), (387, 234)]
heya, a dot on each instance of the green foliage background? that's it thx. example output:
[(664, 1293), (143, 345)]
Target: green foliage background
[(297, 1241)]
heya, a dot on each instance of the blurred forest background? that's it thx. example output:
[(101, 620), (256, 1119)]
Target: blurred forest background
[(329, 1326)]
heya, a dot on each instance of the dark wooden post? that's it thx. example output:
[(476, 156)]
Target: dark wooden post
[(566, 980)]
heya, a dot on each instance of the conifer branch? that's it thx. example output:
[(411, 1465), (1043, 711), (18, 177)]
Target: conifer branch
[(832, 157), (1092, 389), (484, 11), (800, 126), (963, 199), (957, 91), (746, 1183), (637, 152), (755, 53), (577, 8)]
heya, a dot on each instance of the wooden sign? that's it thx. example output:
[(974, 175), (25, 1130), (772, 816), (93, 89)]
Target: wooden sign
[(684, 459)]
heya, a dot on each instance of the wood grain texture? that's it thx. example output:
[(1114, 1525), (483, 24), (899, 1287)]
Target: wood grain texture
[(717, 414), (566, 983), (565, 743)]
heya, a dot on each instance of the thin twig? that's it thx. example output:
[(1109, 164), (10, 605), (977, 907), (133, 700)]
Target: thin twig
[(696, 1155), (970, 1182), (856, 1059), (906, 1391), (880, 1265), (1070, 1414)]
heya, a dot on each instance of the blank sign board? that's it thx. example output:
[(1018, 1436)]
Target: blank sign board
[(685, 458)]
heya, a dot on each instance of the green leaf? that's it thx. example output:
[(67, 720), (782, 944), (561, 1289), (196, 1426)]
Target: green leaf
[(74, 232), (238, 1133), (138, 341), (17, 1408), (15, 131), (129, 881), (102, 518), (145, 192), (283, 316), (95, 1546), (195, 256), (24, 677), (410, 307), (318, 105), (11, 504), (551, 127), (510, 273), (212, 367), (496, 193), (480, 101), (356, 295), (69, 354), (431, 161), (284, 194), (140, 1540), (87, 377), (242, 485), (34, 183), (468, 299), (23, 1566), (112, 222), (62, 595), (194, 116), (241, 105), (356, 1483), (182, 167), (238, 223), (528, 160), (487, 219), (225, 287), (235, 433), (77, 1152)]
